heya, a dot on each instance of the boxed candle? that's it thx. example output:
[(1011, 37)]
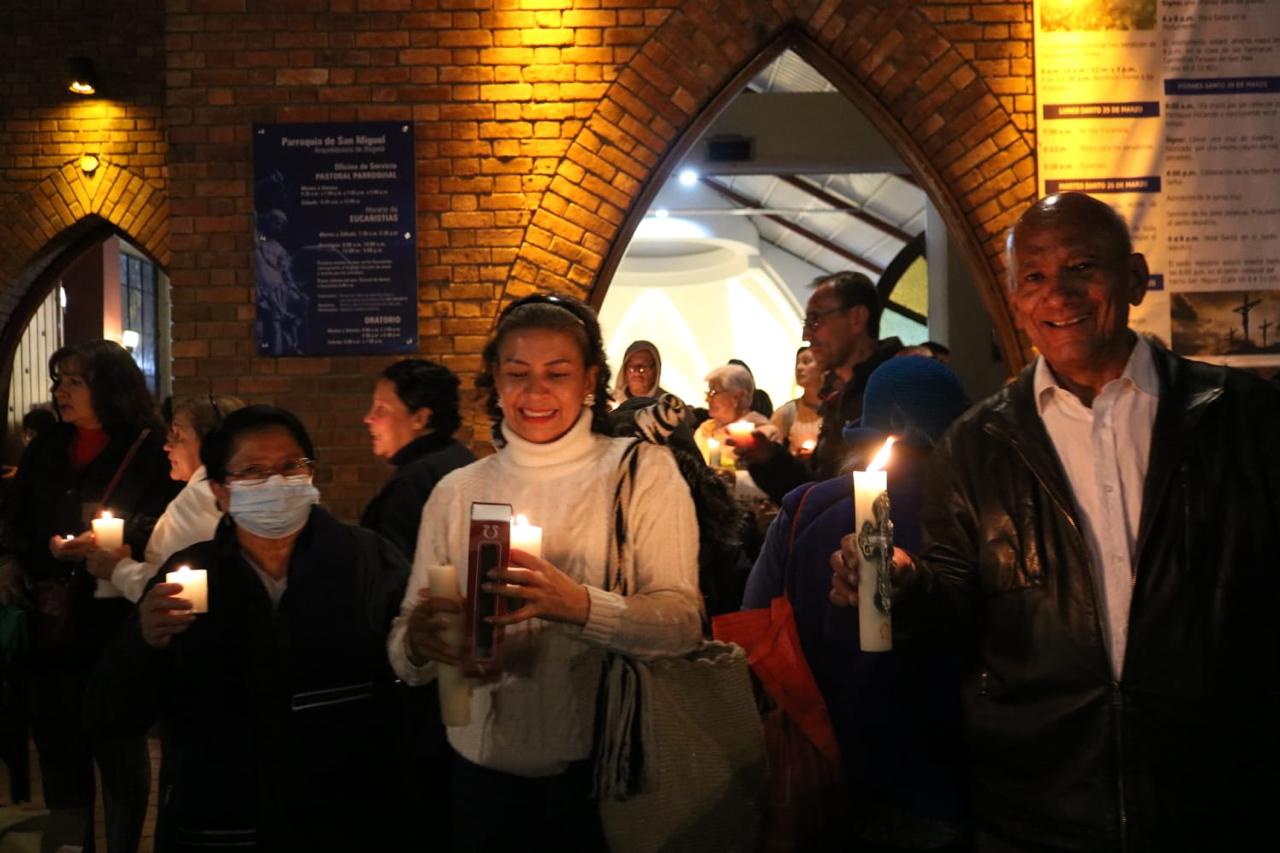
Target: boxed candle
[(487, 549)]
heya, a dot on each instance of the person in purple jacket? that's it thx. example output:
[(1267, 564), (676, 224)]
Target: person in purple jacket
[(895, 714)]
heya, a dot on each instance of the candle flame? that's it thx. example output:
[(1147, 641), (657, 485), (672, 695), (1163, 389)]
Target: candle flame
[(712, 443), (521, 521), (183, 569), (882, 458), (106, 515)]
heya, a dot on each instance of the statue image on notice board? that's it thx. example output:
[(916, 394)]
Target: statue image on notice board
[(282, 302)]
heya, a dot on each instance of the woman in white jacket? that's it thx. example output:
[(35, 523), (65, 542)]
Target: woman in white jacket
[(192, 516), (522, 766)]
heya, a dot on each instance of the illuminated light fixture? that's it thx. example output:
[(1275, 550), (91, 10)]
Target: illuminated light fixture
[(662, 213), (84, 79), (129, 339), (688, 177), (89, 163)]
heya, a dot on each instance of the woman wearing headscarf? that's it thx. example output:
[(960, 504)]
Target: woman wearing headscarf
[(641, 373)]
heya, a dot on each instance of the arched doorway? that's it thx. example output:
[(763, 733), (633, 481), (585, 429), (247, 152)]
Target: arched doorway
[(957, 141), (82, 256)]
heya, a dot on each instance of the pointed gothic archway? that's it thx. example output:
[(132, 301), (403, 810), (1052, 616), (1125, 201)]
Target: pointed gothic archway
[(888, 59)]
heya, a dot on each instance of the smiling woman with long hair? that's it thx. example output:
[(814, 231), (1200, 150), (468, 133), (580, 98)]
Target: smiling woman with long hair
[(521, 770)]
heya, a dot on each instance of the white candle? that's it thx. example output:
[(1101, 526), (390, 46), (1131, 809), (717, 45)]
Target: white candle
[(455, 690), (875, 630), (741, 432), (713, 453), (195, 586), (108, 532), (526, 537)]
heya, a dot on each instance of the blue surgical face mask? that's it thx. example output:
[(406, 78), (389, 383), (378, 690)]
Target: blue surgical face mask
[(273, 509)]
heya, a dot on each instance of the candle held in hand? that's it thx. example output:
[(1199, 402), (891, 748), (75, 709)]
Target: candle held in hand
[(740, 432), (874, 532), (713, 453), (195, 586), (108, 532), (455, 690), (526, 537)]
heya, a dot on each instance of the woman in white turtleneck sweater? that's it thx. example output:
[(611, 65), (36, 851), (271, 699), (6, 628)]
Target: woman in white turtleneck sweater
[(522, 774)]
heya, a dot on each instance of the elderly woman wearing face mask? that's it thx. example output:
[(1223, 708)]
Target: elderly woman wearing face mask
[(522, 775), (277, 700), (189, 518)]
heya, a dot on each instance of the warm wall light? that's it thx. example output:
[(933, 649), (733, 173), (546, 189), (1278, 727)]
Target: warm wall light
[(129, 339), (84, 79), (89, 163)]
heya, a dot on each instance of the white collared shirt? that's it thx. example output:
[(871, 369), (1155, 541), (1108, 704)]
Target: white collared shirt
[(1105, 451)]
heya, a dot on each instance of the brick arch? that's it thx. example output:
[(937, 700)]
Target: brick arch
[(59, 212), (888, 58)]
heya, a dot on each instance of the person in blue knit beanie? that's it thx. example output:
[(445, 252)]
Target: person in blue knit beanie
[(896, 715)]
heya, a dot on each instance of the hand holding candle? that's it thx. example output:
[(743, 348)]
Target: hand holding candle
[(873, 533), (742, 433), (455, 690), (195, 586)]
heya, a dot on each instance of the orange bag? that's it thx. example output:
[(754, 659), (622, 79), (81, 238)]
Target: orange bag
[(805, 779)]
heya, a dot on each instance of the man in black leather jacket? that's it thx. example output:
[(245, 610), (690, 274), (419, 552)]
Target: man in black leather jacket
[(1147, 726)]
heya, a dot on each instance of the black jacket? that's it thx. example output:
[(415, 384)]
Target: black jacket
[(48, 499), (279, 723), (1183, 753), (397, 508), (839, 408)]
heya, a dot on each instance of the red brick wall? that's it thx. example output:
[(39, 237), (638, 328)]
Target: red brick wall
[(540, 125), (44, 196)]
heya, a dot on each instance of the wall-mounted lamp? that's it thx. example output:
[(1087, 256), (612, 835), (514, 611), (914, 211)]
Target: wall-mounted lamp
[(89, 163), (688, 176), (129, 339), (84, 79)]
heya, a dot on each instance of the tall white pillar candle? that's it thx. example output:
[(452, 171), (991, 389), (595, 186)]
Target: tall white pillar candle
[(195, 586), (875, 633), (108, 534), (455, 689), (713, 453)]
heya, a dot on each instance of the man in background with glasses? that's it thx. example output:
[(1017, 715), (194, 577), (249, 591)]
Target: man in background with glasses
[(842, 326)]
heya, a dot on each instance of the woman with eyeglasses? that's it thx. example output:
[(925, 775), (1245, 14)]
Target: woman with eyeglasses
[(189, 518), (522, 774), (277, 702), (729, 392), (641, 373), (104, 454)]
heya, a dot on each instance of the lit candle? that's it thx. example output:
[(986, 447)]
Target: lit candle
[(455, 690), (740, 432), (108, 532), (713, 453), (526, 537), (195, 586), (875, 631), (808, 445)]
